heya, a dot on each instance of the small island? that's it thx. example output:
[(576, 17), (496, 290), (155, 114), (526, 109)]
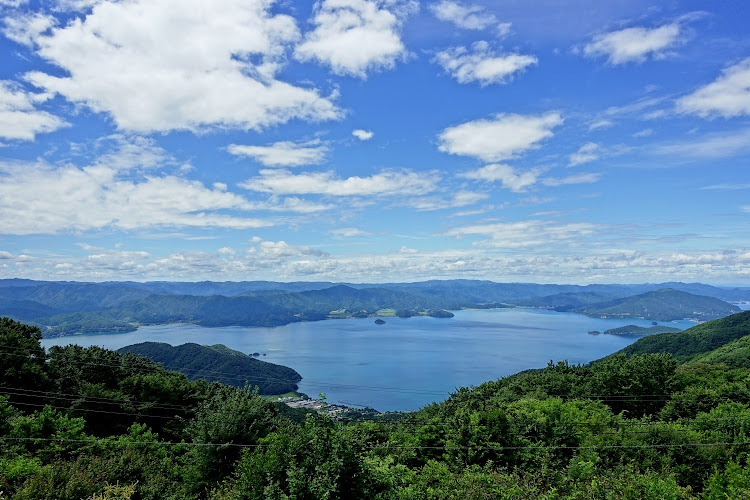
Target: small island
[(640, 330), (379, 321)]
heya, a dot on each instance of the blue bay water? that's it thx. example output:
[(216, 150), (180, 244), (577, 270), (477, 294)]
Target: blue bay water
[(406, 363)]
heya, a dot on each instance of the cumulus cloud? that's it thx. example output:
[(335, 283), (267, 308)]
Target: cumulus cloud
[(524, 233), (482, 64), (587, 153), (512, 179), (501, 137), (214, 65), (727, 96), (41, 198), (384, 183), (363, 135), (469, 17), (284, 153), (353, 37), (635, 44), (19, 117)]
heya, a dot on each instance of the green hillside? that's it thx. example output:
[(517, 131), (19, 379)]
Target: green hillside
[(735, 354), (218, 363), (694, 341), (661, 305)]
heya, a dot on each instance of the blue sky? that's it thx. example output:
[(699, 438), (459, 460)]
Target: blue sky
[(370, 141)]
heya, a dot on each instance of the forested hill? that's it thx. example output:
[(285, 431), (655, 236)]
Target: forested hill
[(89, 423), (218, 363), (662, 305), (696, 341)]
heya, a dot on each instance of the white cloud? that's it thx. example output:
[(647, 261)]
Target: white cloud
[(470, 17), (13, 3), (481, 64), (226, 251), (5, 255), (602, 123), (348, 232), (502, 137), (19, 118), (284, 153), (524, 233), (644, 133), (634, 44), (589, 178), (727, 96), (510, 178), (363, 135), (587, 153), (387, 182), (118, 190), (213, 65), (461, 198), (353, 36), (720, 145)]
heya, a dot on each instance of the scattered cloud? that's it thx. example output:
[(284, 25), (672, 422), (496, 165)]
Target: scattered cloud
[(589, 178), (468, 17), (384, 183), (727, 187), (510, 178), (644, 133), (635, 44), (717, 145), (355, 36), (213, 66), (284, 153), (482, 64), (363, 135), (727, 96), (40, 198), (19, 117), (601, 123), (348, 232), (501, 137), (461, 198), (524, 233), (587, 153)]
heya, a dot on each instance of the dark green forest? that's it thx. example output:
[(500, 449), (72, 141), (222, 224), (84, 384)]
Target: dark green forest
[(92, 423)]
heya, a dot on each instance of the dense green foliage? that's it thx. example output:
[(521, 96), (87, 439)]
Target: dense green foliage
[(661, 305), (218, 363), (735, 354), (697, 340), (100, 424), (641, 330)]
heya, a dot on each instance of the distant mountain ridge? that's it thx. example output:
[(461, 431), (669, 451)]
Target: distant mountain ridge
[(666, 304), (72, 307)]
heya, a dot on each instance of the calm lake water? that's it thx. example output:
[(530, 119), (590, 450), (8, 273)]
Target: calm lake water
[(406, 363)]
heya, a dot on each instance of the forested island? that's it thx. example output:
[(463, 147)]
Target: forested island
[(641, 330), (664, 418), (68, 308), (218, 363)]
